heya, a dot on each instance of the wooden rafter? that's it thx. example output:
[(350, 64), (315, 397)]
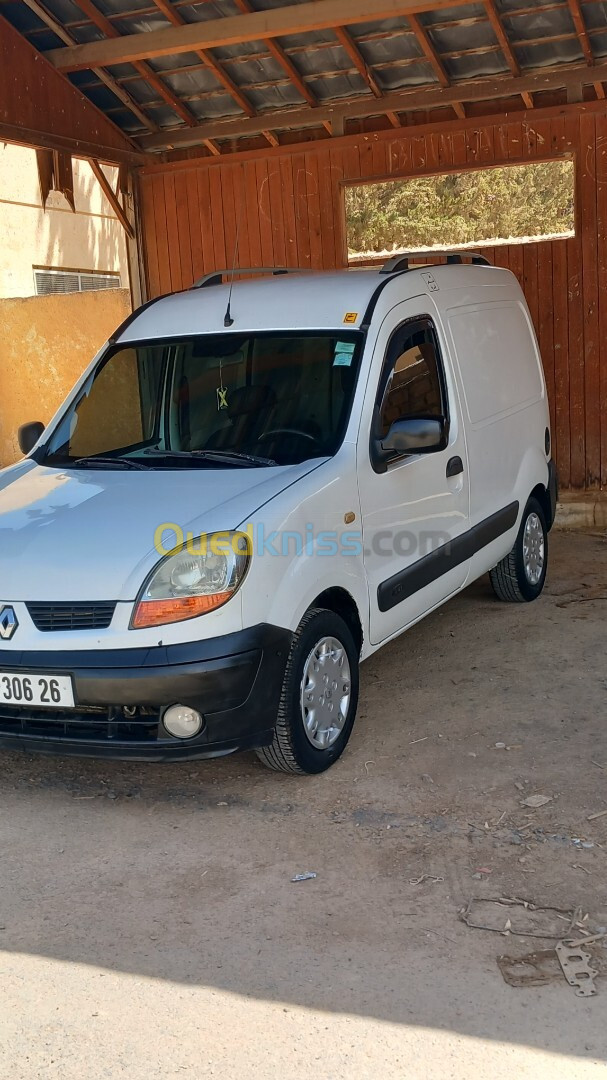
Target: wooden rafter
[(45, 16), (347, 42), (176, 18), (42, 109), (452, 54), (506, 47), (487, 89), (180, 159), (144, 70), (276, 50), (584, 40), (580, 29), (280, 55), (236, 29), (112, 198), (432, 56)]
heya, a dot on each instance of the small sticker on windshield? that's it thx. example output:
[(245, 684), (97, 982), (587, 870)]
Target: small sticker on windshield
[(350, 317), (345, 347), (343, 359)]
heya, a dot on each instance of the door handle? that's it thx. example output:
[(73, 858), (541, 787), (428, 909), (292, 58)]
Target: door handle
[(455, 466)]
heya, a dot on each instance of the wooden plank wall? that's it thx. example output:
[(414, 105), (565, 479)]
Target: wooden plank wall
[(291, 207)]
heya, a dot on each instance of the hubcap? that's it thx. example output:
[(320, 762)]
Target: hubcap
[(533, 549), (325, 692)]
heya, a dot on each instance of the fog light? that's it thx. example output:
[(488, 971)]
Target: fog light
[(182, 722)]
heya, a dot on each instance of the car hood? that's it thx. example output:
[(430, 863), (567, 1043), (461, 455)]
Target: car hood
[(90, 534)]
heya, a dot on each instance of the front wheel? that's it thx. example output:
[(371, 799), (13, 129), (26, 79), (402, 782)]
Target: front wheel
[(520, 576), (319, 697)]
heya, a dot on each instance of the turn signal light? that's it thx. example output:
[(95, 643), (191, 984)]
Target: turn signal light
[(158, 612)]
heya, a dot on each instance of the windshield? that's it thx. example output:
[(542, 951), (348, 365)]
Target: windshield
[(217, 399)]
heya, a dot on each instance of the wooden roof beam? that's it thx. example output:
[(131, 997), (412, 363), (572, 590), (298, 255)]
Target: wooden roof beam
[(347, 42), (176, 18), (237, 29), (423, 39), (276, 50), (580, 29), (112, 198), (108, 80), (144, 70), (42, 109), (180, 159), (429, 97), (584, 40), (504, 43)]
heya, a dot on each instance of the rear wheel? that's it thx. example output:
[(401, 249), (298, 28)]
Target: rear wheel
[(520, 576), (319, 697)]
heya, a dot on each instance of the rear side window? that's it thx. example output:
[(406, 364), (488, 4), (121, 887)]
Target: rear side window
[(412, 383), (497, 357)]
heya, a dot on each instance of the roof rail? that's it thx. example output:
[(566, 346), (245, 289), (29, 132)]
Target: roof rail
[(401, 262), (216, 278)]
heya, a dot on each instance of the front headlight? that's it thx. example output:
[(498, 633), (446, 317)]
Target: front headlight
[(200, 577)]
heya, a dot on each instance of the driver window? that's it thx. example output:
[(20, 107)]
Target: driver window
[(413, 387), (108, 420)]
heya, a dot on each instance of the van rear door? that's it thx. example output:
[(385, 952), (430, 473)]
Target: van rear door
[(414, 506), (504, 398)]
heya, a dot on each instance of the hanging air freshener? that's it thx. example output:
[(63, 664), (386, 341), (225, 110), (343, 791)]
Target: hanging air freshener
[(222, 391)]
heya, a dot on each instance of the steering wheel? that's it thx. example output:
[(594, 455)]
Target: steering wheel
[(287, 431)]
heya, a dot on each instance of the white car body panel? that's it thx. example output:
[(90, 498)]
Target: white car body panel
[(68, 535), (413, 499)]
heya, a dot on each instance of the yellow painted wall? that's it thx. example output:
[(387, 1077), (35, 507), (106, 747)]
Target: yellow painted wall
[(46, 342)]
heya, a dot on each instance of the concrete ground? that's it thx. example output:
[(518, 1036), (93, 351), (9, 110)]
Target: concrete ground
[(149, 926)]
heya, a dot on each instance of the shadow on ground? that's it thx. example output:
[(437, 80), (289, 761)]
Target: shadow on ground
[(183, 873)]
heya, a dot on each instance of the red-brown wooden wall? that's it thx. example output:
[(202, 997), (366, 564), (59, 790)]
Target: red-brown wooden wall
[(291, 207)]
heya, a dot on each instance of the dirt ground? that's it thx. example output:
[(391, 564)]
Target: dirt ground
[(149, 926)]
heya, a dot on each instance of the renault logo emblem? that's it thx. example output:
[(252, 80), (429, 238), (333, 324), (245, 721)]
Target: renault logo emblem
[(8, 623)]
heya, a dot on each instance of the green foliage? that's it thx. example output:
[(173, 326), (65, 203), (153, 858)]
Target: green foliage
[(461, 208)]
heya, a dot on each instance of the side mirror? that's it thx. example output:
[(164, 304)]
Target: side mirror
[(415, 435), (28, 436)]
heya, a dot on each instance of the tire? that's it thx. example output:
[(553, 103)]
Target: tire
[(315, 650), (515, 579)]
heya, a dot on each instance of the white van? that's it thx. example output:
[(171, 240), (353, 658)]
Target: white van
[(255, 486)]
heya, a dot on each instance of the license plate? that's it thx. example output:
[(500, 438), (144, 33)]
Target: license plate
[(48, 691)]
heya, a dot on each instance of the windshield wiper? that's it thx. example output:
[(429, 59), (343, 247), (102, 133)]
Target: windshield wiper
[(236, 455), (225, 457), (119, 462)]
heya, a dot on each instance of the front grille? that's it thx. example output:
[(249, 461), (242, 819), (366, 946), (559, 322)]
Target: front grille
[(84, 724), (66, 616)]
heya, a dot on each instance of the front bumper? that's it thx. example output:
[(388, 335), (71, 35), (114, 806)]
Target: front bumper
[(235, 681)]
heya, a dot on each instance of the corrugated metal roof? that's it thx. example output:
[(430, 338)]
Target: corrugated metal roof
[(541, 34)]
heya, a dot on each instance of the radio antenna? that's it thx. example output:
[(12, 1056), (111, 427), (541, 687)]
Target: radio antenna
[(228, 320)]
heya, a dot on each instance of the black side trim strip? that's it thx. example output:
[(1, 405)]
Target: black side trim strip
[(407, 582)]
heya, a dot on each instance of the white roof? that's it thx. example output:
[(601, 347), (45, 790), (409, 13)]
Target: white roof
[(315, 301)]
